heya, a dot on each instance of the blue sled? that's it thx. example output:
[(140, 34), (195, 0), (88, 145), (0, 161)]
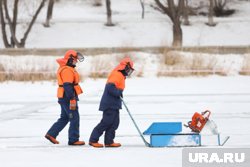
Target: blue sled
[(169, 134)]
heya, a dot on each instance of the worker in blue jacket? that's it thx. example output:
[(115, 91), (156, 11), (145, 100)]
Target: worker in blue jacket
[(110, 105)]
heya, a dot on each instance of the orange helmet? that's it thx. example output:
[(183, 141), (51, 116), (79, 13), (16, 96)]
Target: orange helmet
[(125, 61), (70, 54), (127, 65), (74, 54)]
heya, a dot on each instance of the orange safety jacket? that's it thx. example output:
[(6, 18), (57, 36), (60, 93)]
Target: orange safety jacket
[(117, 79), (76, 79), (113, 91)]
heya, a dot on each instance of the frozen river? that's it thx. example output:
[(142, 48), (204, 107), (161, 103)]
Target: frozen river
[(27, 110)]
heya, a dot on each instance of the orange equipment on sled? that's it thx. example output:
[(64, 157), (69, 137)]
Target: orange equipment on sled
[(198, 121)]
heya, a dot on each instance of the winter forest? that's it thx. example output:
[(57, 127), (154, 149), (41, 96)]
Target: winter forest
[(178, 12)]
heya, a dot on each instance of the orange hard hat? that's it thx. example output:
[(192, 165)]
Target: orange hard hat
[(125, 61), (70, 53)]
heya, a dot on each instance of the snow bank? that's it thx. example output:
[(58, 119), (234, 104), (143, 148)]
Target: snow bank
[(172, 63)]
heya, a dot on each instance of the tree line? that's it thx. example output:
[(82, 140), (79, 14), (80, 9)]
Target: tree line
[(177, 10)]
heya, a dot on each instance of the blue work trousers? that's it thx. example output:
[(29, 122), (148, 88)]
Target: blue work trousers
[(66, 116), (109, 124)]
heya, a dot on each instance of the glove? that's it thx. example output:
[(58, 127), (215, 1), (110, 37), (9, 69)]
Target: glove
[(72, 104)]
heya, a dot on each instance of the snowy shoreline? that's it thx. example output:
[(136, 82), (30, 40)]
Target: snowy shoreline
[(173, 63)]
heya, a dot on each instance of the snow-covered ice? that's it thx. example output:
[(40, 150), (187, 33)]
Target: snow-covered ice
[(28, 110)]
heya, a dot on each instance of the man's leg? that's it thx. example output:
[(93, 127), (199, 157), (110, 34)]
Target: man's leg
[(106, 122), (110, 132), (58, 126), (74, 120)]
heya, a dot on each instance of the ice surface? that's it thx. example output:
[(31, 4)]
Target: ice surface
[(28, 110)]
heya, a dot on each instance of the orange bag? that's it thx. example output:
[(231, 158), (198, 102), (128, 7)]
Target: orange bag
[(198, 121)]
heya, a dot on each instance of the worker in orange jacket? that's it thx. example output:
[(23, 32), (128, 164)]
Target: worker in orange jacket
[(67, 93), (110, 105)]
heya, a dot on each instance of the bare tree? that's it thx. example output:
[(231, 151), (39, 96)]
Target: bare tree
[(3, 27), (12, 23), (143, 8), (186, 13), (174, 12), (109, 13), (49, 13), (220, 8), (211, 14)]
